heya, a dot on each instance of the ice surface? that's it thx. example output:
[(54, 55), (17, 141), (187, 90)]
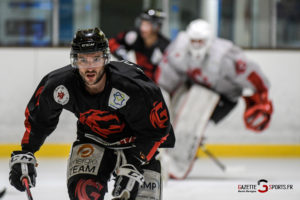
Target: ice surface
[(206, 180)]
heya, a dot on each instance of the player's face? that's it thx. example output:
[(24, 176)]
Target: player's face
[(197, 44), (146, 29), (91, 66)]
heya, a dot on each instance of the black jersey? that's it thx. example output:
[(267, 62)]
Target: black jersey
[(130, 111), (147, 57)]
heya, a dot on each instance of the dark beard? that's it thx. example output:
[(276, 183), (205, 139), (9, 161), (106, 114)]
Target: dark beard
[(97, 80)]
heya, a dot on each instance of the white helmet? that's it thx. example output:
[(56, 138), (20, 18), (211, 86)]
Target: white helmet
[(201, 35)]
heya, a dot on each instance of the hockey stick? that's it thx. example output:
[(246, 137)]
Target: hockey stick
[(27, 188), (214, 158), (2, 193), (210, 155)]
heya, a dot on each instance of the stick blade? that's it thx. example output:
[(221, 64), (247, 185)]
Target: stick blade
[(2, 193)]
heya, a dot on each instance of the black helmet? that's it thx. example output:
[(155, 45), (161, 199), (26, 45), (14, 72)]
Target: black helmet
[(88, 41), (156, 17)]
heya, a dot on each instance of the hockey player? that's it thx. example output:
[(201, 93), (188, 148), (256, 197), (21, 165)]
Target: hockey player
[(197, 57), (146, 42), (122, 120)]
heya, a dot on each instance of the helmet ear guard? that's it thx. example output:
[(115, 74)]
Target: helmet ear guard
[(89, 41)]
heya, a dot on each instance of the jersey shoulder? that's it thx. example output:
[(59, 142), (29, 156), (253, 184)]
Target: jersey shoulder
[(61, 76), (220, 49), (130, 78), (180, 43), (130, 37)]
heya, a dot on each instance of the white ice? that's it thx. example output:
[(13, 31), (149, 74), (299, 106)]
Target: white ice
[(205, 182)]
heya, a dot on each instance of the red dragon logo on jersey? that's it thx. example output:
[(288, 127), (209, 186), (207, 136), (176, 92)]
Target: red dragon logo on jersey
[(158, 115), (102, 122), (94, 191)]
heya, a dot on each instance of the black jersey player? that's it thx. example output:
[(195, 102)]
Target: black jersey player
[(122, 120), (146, 41)]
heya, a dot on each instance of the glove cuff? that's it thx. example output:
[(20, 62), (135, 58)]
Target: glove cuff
[(22, 157), (130, 171)]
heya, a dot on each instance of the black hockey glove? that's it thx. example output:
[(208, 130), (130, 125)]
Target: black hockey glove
[(128, 180), (22, 165)]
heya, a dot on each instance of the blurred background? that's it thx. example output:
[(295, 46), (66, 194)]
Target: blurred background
[(268, 24), (35, 39)]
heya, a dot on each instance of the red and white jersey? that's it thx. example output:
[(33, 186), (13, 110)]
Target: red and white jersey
[(224, 69)]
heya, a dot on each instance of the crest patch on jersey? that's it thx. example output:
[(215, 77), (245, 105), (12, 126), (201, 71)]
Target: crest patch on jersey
[(117, 99), (61, 95)]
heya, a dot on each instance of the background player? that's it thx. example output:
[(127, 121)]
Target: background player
[(146, 41), (196, 57), (122, 120)]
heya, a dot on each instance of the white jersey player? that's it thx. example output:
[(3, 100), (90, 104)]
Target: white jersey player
[(198, 57)]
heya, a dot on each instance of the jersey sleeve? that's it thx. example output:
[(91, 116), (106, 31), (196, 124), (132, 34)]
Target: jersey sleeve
[(148, 116), (42, 115), (122, 43), (116, 42), (244, 72)]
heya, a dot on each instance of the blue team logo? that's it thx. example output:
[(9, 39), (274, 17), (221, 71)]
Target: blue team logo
[(117, 99)]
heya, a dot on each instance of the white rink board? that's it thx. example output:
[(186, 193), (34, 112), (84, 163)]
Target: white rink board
[(23, 68)]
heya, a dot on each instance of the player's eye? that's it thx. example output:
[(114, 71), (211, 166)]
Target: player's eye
[(82, 60), (97, 59)]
